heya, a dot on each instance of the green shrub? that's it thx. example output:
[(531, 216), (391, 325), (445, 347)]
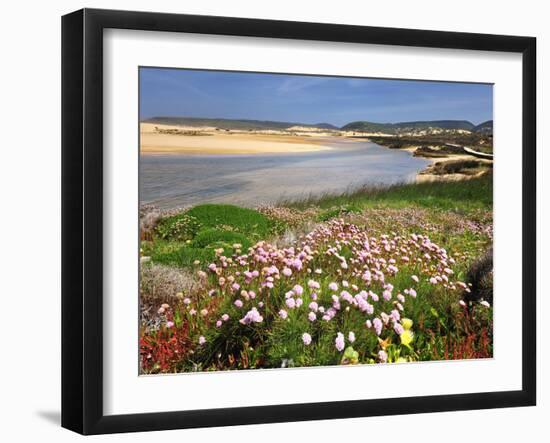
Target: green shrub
[(232, 218), (180, 227), (219, 238)]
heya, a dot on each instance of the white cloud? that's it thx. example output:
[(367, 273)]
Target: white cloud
[(295, 84)]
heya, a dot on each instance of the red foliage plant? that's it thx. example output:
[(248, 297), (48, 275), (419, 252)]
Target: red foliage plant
[(162, 350)]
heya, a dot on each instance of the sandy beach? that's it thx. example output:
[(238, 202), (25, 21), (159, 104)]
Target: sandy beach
[(166, 139)]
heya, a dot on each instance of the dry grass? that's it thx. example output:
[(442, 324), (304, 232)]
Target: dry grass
[(161, 284)]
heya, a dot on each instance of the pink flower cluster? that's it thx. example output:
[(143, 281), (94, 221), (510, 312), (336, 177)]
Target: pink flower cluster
[(331, 271)]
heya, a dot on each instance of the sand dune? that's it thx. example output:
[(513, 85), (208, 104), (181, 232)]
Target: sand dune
[(212, 141)]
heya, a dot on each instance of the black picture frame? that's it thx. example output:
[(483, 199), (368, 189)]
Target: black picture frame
[(82, 218)]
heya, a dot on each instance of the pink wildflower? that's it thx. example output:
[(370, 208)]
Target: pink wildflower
[(306, 338), (395, 315), (339, 342), (291, 303), (312, 284), (252, 316), (398, 328), (377, 323)]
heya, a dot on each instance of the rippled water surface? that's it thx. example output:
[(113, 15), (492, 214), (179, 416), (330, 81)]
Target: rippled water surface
[(249, 180)]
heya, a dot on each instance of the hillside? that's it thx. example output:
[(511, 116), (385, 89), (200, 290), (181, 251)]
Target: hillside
[(243, 125), (485, 127), (393, 128)]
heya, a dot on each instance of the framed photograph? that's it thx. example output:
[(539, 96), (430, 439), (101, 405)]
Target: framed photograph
[(269, 221)]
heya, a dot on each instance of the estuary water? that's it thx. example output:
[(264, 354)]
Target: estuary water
[(179, 180)]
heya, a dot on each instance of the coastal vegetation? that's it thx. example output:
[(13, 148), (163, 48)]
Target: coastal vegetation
[(394, 128), (388, 274), (445, 143)]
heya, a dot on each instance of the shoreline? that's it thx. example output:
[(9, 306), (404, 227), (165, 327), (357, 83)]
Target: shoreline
[(464, 172), (430, 173)]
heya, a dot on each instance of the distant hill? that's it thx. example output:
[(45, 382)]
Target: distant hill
[(359, 126), (365, 126), (243, 125), (326, 126), (393, 128), (485, 127)]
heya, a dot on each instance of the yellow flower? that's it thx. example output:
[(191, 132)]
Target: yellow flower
[(406, 323), (407, 337)]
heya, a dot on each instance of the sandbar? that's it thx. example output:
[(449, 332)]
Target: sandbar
[(157, 139)]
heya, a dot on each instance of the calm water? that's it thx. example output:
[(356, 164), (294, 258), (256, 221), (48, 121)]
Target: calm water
[(249, 180)]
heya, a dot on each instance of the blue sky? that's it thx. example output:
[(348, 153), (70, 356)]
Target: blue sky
[(308, 99)]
